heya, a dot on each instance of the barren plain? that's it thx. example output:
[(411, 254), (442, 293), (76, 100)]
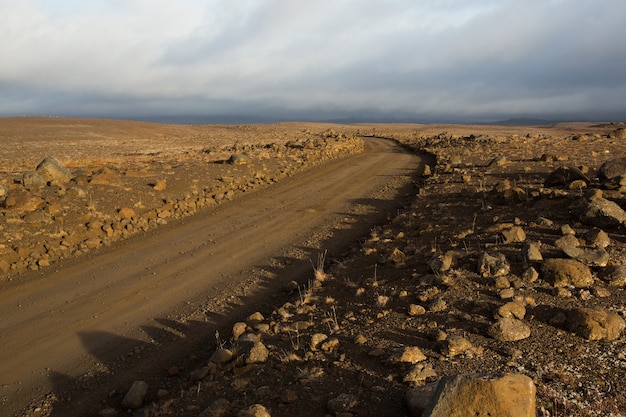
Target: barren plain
[(332, 247)]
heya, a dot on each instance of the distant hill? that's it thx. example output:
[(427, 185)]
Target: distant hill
[(523, 122)]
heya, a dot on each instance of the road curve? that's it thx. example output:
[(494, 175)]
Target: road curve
[(120, 288)]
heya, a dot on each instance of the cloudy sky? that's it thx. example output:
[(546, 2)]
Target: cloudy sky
[(422, 60)]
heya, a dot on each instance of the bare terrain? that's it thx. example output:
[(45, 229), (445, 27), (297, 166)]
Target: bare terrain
[(350, 242)]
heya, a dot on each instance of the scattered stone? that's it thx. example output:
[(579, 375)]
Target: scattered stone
[(502, 283), (456, 345), (438, 305), (256, 410), (289, 396), (562, 292), (509, 330), (601, 292), (416, 310), (330, 345), (23, 200), (218, 408), (239, 329), (108, 412), (597, 238), (135, 395), (513, 309), (411, 354), (419, 373), (199, 374), (507, 294), (531, 252), (342, 404), (591, 257), (316, 339), (619, 133), (254, 319), (33, 181), (567, 241), (51, 169), (565, 272), (564, 176), (495, 266), (397, 257), (106, 176), (511, 395), (240, 159), (514, 235), (221, 356), (360, 339), (126, 213), (427, 171), (498, 161), (160, 185), (601, 213), (612, 169), (615, 276), (566, 229), (595, 323), (257, 354)]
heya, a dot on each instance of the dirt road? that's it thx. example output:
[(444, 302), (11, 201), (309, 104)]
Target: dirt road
[(79, 315)]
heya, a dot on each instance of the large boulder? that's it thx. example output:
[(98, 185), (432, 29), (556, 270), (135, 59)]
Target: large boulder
[(23, 200), (511, 395), (51, 169)]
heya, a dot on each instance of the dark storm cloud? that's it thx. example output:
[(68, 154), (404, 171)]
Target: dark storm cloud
[(452, 58)]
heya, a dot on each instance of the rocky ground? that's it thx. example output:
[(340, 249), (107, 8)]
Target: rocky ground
[(509, 259)]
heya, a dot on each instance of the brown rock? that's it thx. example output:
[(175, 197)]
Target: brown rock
[(456, 345), (513, 309), (564, 272), (126, 213), (106, 176), (411, 354), (509, 330), (135, 395), (51, 169), (22, 200), (595, 324), (256, 410), (615, 276), (514, 235), (511, 395)]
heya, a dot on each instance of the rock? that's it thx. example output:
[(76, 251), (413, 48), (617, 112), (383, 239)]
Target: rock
[(564, 176), (258, 354), (591, 257), (106, 176), (199, 374), (239, 328), (502, 283), (595, 323), (498, 161), (565, 272), (411, 354), (566, 229), (512, 309), (108, 412), (316, 339), (509, 330), (240, 159), (135, 395), (23, 201), (419, 373), (612, 169), (33, 180), (126, 213), (330, 345), (619, 133), (531, 252), (438, 305), (514, 235), (341, 404), (601, 213), (506, 294), (416, 310), (221, 356), (427, 171), (456, 345), (254, 319), (489, 265), (615, 276), (218, 408), (397, 257), (51, 169), (511, 395), (567, 241), (256, 410), (160, 185), (597, 238)]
